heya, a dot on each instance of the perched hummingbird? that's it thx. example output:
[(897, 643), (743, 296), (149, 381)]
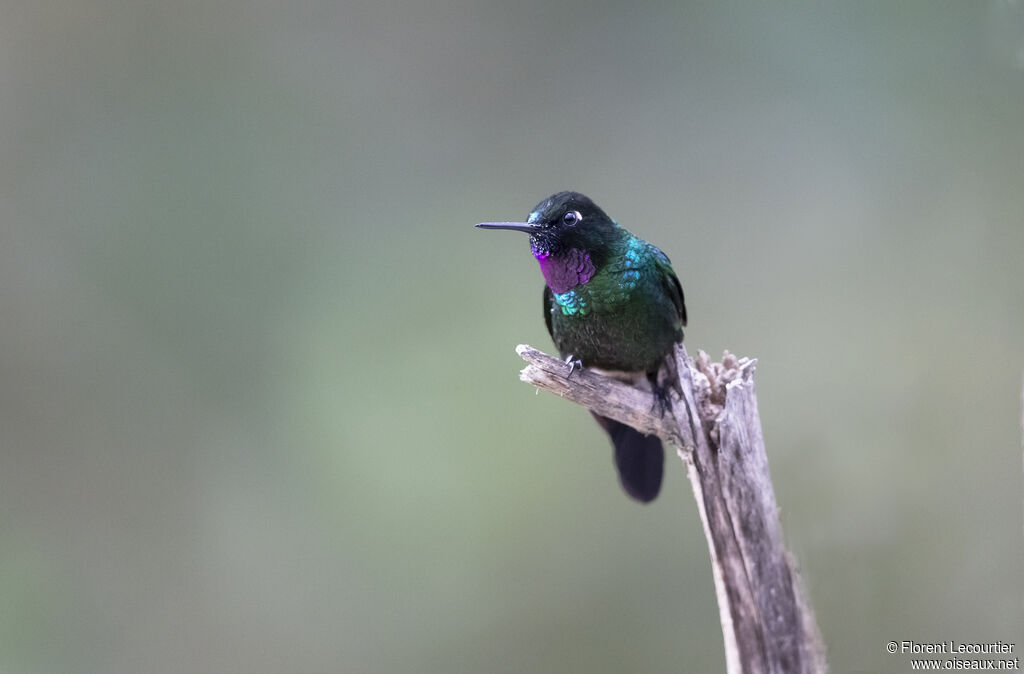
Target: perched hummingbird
[(611, 302)]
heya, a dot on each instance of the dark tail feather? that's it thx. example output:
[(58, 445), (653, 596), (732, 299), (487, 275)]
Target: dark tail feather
[(639, 458)]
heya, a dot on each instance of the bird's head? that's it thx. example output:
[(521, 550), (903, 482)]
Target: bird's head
[(562, 222)]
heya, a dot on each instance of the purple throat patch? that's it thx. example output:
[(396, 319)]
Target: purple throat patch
[(566, 271)]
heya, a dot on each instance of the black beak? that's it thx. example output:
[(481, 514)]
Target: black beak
[(517, 226)]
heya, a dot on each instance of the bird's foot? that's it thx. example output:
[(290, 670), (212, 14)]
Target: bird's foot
[(573, 364), (662, 400), (662, 395)]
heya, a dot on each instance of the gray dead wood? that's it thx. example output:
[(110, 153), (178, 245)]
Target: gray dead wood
[(767, 625)]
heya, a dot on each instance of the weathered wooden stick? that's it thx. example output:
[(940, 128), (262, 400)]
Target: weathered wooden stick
[(766, 624)]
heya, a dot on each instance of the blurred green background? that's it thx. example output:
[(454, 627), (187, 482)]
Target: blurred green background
[(259, 409)]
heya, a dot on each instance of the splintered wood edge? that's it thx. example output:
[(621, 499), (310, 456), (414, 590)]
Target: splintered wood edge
[(749, 642), (604, 395)]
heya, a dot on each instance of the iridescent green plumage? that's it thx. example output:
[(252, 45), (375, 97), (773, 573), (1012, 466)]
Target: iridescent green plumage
[(627, 317), (611, 301)]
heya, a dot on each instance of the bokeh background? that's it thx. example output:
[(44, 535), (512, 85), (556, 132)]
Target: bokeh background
[(259, 409)]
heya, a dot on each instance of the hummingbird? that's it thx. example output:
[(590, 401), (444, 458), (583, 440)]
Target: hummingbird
[(612, 302)]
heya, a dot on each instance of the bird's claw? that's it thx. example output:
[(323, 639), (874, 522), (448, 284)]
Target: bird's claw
[(573, 364), (662, 394), (662, 401)]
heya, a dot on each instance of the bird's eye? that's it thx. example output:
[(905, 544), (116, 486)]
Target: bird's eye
[(571, 218)]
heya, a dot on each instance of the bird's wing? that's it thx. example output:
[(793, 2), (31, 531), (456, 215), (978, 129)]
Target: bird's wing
[(671, 282), (549, 302)]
